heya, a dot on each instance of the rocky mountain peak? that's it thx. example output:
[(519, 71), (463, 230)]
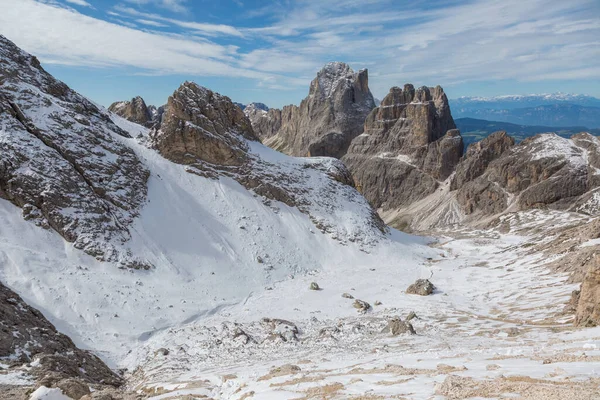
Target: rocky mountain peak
[(255, 106), (201, 125), (409, 145), (326, 121), (134, 110)]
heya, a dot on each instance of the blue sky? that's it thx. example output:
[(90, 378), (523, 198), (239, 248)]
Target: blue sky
[(269, 50)]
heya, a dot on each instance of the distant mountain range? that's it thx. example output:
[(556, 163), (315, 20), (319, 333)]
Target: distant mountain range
[(473, 130), (557, 110)]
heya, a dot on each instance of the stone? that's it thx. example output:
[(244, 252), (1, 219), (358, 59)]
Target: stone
[(136, 111), (396, 327), (411, 315), (347, 296), (361, 306), (314, 286), (422, 287), (478, 157), (61, 162)]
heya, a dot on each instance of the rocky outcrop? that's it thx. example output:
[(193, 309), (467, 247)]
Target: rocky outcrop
[(137, 111), (27, 337), (200, 125), (479, 155), (212, 136), (326, 121), (543, 171), (588, 306), (265, 122), (409, 145), (63, 160)]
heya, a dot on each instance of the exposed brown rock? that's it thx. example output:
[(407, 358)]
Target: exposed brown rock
[(422, 287), (134, 111), (588, 307), (409, 144), (201, 125), (65, 168), (479, 155), (326, 121), (26, 335)]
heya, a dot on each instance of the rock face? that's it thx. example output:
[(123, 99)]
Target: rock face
[(409, 145), (200, 125), (422, 287), (543, 171), (62, 159), (28, 336), (326, 121), (588, 307), (265, 122), (137, 111), (479, 155), (211, 135)]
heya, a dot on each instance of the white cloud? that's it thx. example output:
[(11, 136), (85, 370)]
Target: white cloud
[(208, 29), (177, 6), (70, 38), (151, 23), (450, 43), (82, 3)]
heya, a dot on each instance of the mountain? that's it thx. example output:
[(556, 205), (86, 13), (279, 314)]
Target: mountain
[(326, 121), (559, 110), (115, 231), (522, 101), (473, 130), (409, 144), (188, 260), (137, 111)]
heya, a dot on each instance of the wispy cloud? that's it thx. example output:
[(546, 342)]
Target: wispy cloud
[(177, 6), (210, 29), (82, 3), (281, 46)]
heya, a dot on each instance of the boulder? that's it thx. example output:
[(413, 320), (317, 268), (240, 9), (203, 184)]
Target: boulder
[(361, 306), (422, 287), (396, 327), (74, 388)]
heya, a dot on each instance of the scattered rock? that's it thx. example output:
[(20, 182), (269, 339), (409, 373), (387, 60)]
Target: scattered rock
[(347, 296), (396, 327), (411, 315), (314, 286), (162, 351), (377, 303), (422, 287), (281, 329), (361, 306), (74, 388)]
